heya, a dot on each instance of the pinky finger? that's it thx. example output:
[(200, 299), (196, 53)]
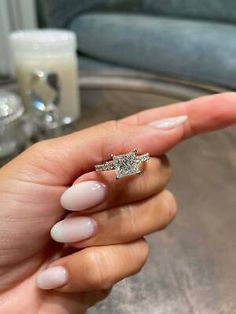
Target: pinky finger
[(94, 268)]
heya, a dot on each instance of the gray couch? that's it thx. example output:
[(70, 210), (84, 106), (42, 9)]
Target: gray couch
[(185, 39)]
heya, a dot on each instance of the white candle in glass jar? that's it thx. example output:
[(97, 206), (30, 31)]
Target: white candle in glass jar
[(48, 51)]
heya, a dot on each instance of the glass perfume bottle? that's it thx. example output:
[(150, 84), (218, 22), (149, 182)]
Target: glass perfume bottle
[(12, 137)]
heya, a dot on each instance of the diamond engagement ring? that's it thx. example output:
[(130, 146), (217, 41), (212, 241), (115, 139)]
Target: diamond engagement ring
[(125, 164)]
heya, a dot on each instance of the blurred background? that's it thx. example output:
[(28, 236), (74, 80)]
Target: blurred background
[(177, 39), (146, 52)]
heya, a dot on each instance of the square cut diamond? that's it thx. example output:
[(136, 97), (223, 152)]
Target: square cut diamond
[(125, 165)]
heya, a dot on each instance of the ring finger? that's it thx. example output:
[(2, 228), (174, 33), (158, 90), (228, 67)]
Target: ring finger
[(95, 191)]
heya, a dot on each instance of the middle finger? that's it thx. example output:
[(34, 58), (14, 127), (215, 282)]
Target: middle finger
[(97, 191), (119, 225)]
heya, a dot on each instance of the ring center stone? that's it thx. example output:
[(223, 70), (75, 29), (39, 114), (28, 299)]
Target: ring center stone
[(125, 164)]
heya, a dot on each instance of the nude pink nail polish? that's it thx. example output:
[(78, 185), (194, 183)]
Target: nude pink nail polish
[(83, 195), (51, 278), (169, 123), (73, 229)]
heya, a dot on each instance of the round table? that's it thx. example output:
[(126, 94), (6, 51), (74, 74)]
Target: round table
[(191, 268)]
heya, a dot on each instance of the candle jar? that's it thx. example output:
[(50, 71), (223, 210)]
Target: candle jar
[(47, 75), (12, 137)]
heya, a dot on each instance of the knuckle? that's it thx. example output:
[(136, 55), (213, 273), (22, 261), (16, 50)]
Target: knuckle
[(160, 167), (141, 252), (115, 126), (41, 148), (145, 250), (155, 164), (44, 150), (98, 274), (110, 126), (170, 207), (165, 164)]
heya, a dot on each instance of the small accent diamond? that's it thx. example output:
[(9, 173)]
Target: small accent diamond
[(108, 165)]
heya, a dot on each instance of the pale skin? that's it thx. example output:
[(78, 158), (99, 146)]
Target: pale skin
[(31, 186)]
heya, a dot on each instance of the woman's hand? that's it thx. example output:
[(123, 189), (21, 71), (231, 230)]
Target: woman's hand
[(116, 216), (113, 220)]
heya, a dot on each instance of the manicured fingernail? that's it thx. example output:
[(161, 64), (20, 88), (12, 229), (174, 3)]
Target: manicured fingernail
[(52, 278), (169, 123), (83, 195), (73, 229)]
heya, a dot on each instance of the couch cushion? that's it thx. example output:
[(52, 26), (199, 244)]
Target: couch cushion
[(195, 50), (58, 13), (218, 10)]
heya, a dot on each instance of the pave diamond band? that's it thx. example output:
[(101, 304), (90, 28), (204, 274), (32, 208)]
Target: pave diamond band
[(108, 165), (125, 164), (142, 158)]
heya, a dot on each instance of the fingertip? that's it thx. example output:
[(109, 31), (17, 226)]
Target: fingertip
[(73, 229), (83, 195), (52, 278)]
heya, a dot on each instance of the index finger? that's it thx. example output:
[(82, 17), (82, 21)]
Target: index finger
[(60, 161), (205, 114)]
